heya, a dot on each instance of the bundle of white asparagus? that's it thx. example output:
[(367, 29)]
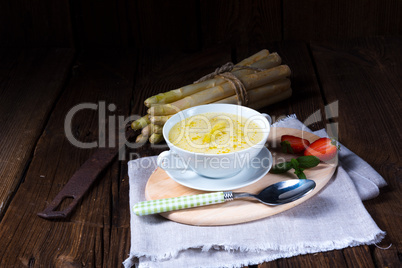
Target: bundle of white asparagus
[(264, 87)]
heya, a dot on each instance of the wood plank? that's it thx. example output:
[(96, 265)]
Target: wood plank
[(240, 23), (386, 254), (341, 19), (169, 25), (35, 24), (119, 248), (100, 23), (358, 257), (86, 238), (30, 82), (364, 75)]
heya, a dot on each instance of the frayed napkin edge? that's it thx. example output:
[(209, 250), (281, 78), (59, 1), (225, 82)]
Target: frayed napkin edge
[(281, 251), (290, 116)]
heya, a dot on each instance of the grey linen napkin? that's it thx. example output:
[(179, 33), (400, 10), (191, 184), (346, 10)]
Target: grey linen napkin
[(334, 218)]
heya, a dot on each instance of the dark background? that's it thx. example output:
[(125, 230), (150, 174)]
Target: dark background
[(191, 25)]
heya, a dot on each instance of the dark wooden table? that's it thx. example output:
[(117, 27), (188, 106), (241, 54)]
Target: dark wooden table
[(38, 87)]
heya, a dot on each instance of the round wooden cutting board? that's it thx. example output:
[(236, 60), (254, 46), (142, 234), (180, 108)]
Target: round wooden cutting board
[(160, 185)]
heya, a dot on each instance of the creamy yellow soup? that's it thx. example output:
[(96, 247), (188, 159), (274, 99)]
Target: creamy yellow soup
[(215, 133)]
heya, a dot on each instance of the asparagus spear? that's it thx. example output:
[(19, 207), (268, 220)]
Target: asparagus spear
[(141, 139), (155, 138), (271, 100), (222, 91), (270, 61), (261, 93), (146, 131), (176, 94), (256, 57), (255, 95), (157, 129), (140, 123), (159, 119), (151, 128), (267, 76), (151, 132)]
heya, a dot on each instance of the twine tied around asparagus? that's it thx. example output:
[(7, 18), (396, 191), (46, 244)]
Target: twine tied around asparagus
[(225, 72)]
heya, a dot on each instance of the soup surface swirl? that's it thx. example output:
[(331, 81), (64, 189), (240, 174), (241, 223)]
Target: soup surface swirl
[(215, 133)]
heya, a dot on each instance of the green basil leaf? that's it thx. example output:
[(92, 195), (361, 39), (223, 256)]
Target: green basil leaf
[(281, 168), (286, 147), (295, 163), (300, 174), (308, 161)]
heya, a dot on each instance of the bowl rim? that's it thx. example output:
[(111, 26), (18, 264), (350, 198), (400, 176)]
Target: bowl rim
[(182, 113)]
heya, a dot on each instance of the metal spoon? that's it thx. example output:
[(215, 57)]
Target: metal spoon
[(276, 194)]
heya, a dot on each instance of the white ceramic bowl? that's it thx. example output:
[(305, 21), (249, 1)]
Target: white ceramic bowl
[(213, 165)]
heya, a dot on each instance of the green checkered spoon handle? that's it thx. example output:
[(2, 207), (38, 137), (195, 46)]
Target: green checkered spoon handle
[(277, 194), (181, 202)]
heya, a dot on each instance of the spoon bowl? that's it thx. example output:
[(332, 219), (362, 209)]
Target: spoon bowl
[(282, 192), (276, 194)]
